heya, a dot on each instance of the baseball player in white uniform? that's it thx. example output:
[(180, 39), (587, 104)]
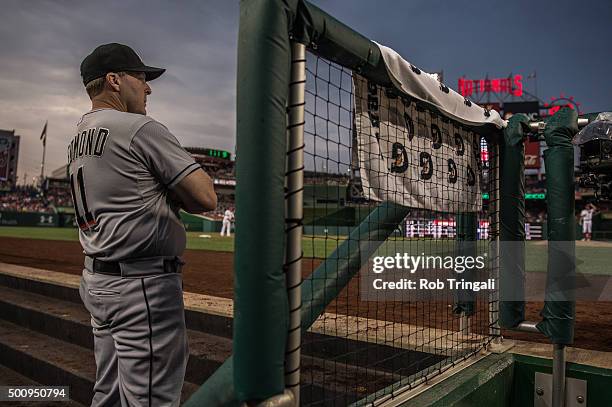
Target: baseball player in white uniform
[(129, 177), (586, 218), (226, 227)]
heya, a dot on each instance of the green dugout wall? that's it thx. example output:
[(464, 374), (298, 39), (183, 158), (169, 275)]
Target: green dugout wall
[(198, 223)]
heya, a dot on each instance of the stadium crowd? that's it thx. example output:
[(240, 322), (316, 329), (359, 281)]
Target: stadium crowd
[(223, 202), (24, 199), (33, 199)]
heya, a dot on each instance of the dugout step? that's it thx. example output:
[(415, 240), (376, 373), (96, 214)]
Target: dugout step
[(69, 322), (375, 357), (9, 377), (63, 320), (65, 287), (50, 361), (47, 360), (17, 277), (49, 302)]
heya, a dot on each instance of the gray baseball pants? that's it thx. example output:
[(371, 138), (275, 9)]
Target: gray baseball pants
[(140, 340)]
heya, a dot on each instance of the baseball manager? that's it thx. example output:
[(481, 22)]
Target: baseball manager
[(129, 177)]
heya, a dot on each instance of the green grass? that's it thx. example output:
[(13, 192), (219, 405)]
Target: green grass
[(317, 246), (214, 243), (313, 246), (590, 260), (45, 233)]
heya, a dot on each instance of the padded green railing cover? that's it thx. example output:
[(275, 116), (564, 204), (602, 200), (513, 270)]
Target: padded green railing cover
[(512, 222), (260, 295), (558, 315)]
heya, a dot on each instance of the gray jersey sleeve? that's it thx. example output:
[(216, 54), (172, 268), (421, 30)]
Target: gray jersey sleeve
[(161, 152)]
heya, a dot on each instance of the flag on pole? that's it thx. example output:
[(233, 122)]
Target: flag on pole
[(43, 135)]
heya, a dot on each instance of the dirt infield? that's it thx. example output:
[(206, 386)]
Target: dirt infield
[(211, 273)]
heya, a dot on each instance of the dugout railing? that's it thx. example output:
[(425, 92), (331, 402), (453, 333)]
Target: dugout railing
[(315, 95)]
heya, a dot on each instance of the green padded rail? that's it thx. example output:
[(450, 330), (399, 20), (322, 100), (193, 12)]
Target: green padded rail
[(558, 314), (260, 297), (512, 222)]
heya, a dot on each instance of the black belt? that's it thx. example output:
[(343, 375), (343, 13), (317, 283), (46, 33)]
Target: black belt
[(113, 268)]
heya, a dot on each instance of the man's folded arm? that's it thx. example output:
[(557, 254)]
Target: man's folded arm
[(196, 192)]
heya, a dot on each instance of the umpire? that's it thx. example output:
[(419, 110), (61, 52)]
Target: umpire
[(129, 177)]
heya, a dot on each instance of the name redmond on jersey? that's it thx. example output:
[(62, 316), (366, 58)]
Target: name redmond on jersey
[(89, 142)]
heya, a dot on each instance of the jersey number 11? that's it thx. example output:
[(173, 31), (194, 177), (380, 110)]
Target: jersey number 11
[(85, 221)]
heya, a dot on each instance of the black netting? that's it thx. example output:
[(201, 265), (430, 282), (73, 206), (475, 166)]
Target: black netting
[(360, 349)]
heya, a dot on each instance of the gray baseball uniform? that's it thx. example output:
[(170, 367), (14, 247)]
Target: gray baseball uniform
[(121, 166)]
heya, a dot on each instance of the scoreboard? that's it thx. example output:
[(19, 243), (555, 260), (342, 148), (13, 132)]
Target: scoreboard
[(209, 152), (217, 153)]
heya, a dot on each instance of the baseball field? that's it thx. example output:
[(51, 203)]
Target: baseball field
[(209, 270)]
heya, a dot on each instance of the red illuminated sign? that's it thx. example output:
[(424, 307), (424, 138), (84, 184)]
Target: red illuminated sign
[(562, 101), (511, 85)]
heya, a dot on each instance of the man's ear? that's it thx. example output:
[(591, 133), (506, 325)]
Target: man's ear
[(112, 79)]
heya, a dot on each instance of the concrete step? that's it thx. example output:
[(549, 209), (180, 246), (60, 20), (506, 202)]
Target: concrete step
[(202, 313), (52, 362), (69, 322), (48, 360), (65, 287), (9, 377)]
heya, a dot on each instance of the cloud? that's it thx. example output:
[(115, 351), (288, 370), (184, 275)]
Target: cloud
[(44, 42)]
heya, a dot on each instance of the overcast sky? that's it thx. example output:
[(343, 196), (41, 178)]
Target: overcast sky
[(43, 42)]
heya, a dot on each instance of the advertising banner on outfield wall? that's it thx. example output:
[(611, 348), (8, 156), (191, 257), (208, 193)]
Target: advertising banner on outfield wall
[(28, 219), (413, 157)]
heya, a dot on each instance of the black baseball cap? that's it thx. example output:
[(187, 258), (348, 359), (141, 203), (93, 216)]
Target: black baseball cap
[(115, 57)]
